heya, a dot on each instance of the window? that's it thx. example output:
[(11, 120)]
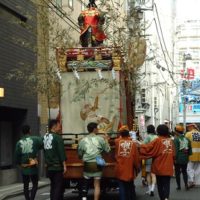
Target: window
[(59, 3), (71, 3), (195, 54), (155, 102), (143, 97), (83, 5)]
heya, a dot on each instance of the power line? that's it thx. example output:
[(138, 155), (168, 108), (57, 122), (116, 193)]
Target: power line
[(157, 64), (161, 45), (62, 13), (161, 31)]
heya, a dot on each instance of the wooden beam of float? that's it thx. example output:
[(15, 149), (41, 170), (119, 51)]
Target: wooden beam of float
[(89, 58)]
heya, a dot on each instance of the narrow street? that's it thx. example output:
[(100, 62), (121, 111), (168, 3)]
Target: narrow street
[(83, 80), (43, 193)]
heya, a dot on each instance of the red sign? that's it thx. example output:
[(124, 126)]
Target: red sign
[(188, 75)]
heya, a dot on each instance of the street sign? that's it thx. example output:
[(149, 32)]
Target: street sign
[(189, 75)]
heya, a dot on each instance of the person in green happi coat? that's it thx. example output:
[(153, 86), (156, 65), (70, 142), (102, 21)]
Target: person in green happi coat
[(90, 147), (26, 153), (183, 151), (55, 159)]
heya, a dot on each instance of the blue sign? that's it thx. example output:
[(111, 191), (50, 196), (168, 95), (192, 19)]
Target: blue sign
[(190, 108)]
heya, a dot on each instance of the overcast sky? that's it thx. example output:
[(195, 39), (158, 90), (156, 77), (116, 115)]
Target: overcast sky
[(188, 9)]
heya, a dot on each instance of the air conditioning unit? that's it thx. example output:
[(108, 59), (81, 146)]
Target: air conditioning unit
[(139, 2)]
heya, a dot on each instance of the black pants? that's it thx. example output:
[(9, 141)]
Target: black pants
[(84, 187), (178, 169), (126, 190), (26, 181), (57, 185), (163, 184)]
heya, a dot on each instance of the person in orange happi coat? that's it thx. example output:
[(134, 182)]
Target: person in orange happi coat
[(162, 151), (127, 164)]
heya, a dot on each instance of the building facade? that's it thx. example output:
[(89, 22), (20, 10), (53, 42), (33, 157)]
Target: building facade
[(188, 71), (18, 106), (156, 83)]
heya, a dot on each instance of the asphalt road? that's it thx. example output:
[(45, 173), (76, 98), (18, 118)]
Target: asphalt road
[(192, 194)]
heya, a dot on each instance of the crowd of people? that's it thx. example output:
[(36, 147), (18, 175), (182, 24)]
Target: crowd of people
[(163, 153)]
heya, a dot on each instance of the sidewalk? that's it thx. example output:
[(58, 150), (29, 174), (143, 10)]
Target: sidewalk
[(17, 188)]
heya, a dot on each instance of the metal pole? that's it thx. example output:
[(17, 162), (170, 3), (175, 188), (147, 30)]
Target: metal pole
[(184, 108), (184, 93), (185, 58)]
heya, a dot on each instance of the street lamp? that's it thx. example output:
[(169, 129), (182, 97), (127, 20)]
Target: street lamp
[(2, 92), (185, 58)]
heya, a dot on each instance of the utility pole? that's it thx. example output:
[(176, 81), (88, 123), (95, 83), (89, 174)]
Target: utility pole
[(184, 85)]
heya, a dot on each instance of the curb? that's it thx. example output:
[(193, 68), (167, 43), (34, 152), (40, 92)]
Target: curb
[(20, 192)]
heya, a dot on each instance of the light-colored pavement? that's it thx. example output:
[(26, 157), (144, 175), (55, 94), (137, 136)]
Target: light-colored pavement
[(192, 194), (17, 189), (43, 193)]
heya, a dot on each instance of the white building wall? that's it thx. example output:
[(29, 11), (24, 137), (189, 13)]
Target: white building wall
[(188, 41), (159, 82)]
